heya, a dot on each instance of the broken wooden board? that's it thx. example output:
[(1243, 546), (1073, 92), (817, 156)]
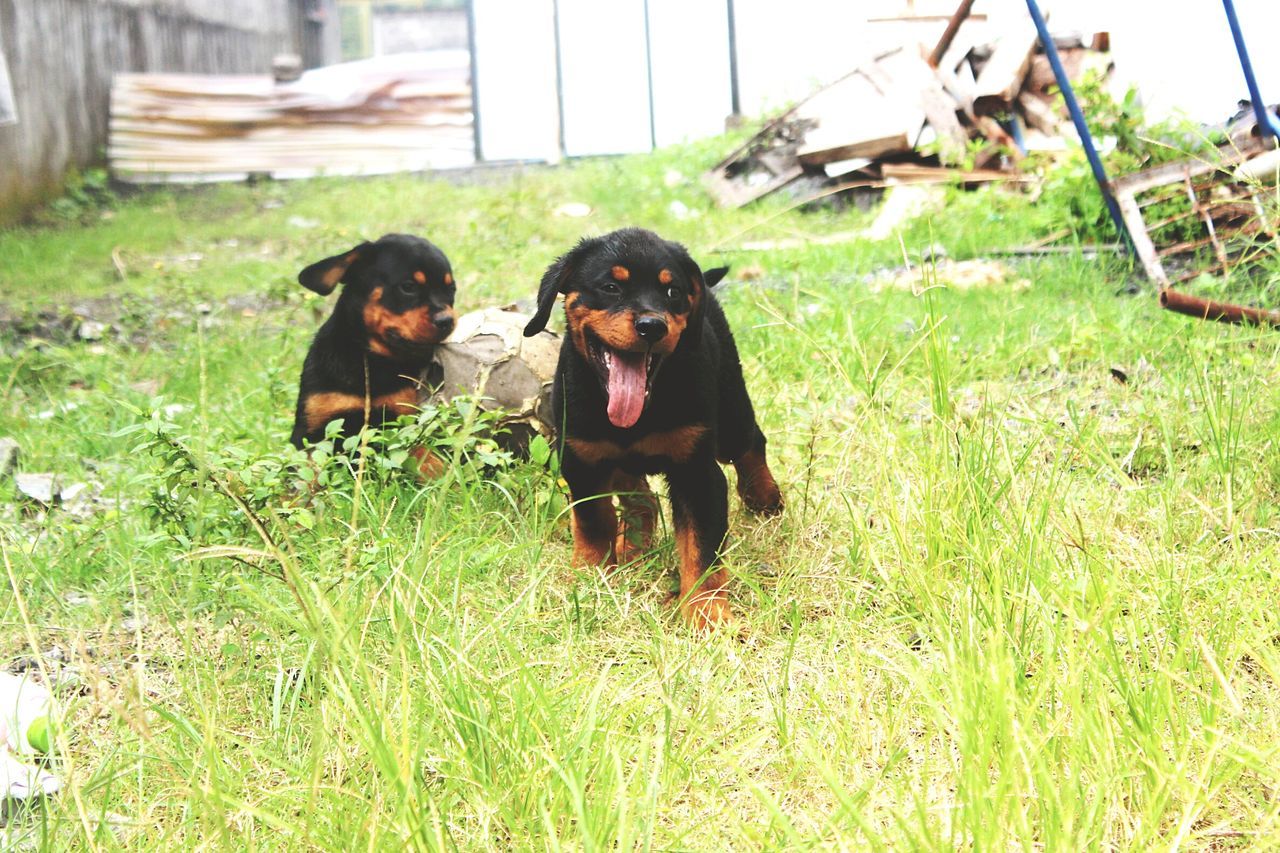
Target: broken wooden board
[(1076, 62), (912, 173), (770, 160), (731, 193), (858, 117), (940, 112), (880, 110), (866, 148), (761, 165), (998, 138), (1039, 114), (1002, 76)]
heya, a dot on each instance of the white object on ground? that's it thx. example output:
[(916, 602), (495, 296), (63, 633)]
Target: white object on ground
[(573, 209), (24, 704), (19, 781), (40, 488), (901, 205)]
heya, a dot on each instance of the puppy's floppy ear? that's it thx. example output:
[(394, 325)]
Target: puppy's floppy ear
[(323, 276), (698, 298), (555, 280), (715, 275)]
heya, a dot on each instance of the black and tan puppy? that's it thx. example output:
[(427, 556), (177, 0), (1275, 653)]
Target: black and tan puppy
[(396, 305), (649, 382)]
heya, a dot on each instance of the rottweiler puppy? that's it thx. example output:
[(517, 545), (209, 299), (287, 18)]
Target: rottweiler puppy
[(396, 305), (649, 382)]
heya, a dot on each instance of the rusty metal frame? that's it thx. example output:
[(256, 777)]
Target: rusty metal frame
[(1230, 216)]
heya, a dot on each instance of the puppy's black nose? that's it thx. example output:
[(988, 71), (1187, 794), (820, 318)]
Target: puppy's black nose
[(651, 327), (444, 322)]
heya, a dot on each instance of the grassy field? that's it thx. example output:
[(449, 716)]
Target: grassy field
[(1024, 593)]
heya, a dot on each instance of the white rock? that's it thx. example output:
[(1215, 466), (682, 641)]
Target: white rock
[(573, 209), (38, 487), (91, 330), (19, 781), (681, 211), (60, 409), (74, 492)]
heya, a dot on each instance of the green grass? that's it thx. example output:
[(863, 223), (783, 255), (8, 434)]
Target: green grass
[(1013, 602)]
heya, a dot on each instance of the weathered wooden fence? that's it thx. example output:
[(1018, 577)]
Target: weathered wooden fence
[(62, 54)]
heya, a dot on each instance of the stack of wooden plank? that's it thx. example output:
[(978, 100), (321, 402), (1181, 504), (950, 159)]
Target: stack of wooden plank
[(408, 112), (981, 96)]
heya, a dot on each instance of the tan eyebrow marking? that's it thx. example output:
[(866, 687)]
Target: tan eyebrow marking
[(420, 277), (620, 273), (448, 278), (665, 276)]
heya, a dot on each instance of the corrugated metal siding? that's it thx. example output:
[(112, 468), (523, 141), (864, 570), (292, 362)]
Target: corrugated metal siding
[(63, 53)]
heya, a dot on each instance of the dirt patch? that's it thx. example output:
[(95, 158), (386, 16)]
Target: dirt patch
[(129, 318)]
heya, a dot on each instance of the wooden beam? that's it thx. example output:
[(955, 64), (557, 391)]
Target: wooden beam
[(871, 148), (953, 27), (1039, 114), (1001, 77)]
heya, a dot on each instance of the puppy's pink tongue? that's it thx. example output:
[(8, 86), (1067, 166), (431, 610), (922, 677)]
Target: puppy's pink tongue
[(626, 388)]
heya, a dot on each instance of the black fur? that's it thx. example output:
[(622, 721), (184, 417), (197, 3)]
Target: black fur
[(698, 385), (335, 363)]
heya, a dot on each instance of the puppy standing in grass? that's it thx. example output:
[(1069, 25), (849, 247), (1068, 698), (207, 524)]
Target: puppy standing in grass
[(649, 382), (396, 305)]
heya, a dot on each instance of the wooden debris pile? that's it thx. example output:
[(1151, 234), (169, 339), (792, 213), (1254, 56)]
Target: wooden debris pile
[(407, 112), (983, 94)]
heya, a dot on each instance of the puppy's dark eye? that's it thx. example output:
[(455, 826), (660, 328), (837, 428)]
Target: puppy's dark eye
[(407, 287), (673, 293), (611, 289)]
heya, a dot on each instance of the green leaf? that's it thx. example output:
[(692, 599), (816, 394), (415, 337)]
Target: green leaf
[(539, 450)]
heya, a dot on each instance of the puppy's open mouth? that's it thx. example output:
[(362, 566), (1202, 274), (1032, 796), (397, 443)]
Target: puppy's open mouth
[(627, 378)]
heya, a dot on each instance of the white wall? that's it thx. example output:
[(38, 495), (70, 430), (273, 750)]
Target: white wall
[(515, 81), (787, 49), (1179, 52), (604, 77), (689, 66)]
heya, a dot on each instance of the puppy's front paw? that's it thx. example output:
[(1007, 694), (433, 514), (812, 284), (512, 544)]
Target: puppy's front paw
[(756, 486), (708, 611), (430, 466), (764, 498)]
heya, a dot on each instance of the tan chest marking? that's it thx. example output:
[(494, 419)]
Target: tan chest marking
[(676, 444), (326, 406), (402, 402)]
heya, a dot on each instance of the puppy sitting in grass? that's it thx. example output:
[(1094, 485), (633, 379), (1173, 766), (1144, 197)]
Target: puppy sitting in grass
[(396, 304)]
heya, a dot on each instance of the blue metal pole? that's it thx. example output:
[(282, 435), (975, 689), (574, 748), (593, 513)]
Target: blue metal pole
[(1077, 118), (1266, 121)]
